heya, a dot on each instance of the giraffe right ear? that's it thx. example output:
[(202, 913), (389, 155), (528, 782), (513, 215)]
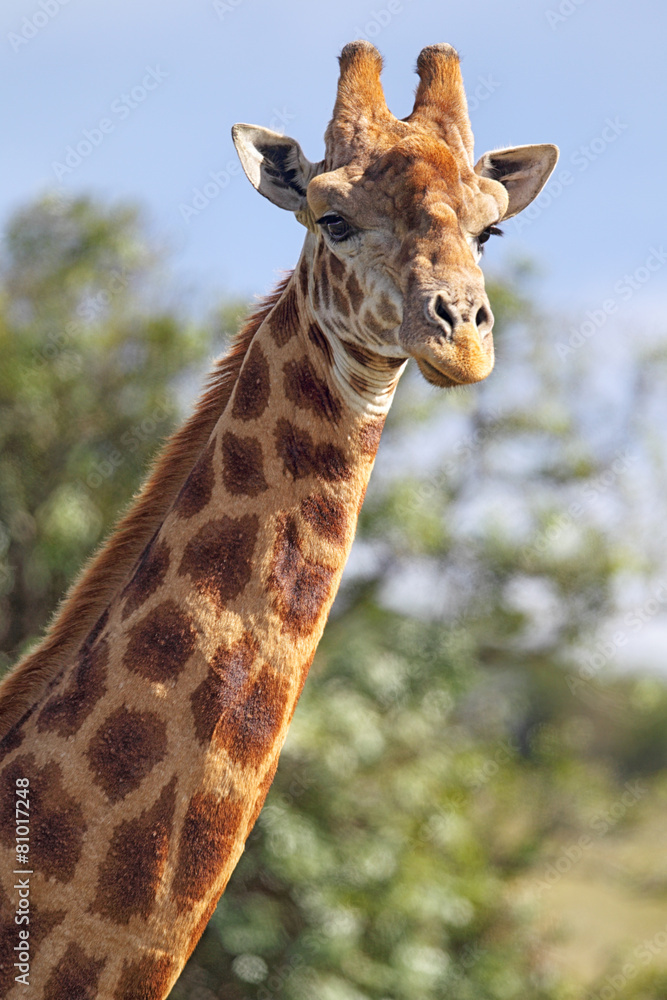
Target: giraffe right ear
[(523, 171), (275, 165)]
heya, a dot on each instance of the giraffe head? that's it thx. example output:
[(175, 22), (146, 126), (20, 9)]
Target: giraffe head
[(398, 212)]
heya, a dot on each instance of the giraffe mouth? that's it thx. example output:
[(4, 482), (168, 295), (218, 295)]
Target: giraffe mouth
[(468, 362), (435, 376), (460, 358)]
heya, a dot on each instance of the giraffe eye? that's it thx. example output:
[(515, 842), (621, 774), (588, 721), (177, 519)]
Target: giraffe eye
[(336, 226), (488, 233)]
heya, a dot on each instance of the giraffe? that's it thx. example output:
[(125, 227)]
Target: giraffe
[(147, 725)]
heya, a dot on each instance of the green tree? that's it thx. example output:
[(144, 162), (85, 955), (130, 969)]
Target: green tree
[(91, 382)]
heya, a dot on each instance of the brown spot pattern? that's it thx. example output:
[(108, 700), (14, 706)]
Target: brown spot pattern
[(126, 748), (41, 923), (355, 292), (75, 977), (387, 310), (248, 729), (370, 359), (369, 436), (284, 320), (329, 463), (243, 465), (228, 672), (295, 448), (252, 391), (131, 872), (326, 516), (210, 830), (14, 738), (240, 716), (146, 979), (308, 391), (316, 296), (358, 383), (219, 558), (360, 354), (197, 489), (301, 457), (341, 301), (57, 825), (337, 267), (324, 283), (96, 630), (300, 586), (370, 321), (148, 576), (303, 277), (160, 644), (65, 712), (316, 337)]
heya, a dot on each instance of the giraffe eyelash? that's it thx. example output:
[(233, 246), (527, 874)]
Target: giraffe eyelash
[(338, 229), (486, 234)]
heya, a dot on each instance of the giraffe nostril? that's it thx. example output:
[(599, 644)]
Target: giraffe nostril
[(482, 316), (443, 312)]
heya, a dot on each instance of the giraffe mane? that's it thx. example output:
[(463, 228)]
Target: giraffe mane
[(108, 568)]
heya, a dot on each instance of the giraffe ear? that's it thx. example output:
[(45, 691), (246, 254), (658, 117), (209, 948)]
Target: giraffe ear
[(275, 165), (523, 171)]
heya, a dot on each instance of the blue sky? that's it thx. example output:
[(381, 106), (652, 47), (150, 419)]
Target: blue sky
[(169, 78)]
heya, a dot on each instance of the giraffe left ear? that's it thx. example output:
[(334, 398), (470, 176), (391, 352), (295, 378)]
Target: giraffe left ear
[(275, 165), (523, 171)]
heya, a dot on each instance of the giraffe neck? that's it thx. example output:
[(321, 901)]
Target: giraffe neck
[(149, 758)]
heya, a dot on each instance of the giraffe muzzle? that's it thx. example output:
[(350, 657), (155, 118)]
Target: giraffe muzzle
[(451, 342), (452, 318)]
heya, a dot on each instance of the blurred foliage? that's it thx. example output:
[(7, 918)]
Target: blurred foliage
[(89, 386), (470, 802)]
